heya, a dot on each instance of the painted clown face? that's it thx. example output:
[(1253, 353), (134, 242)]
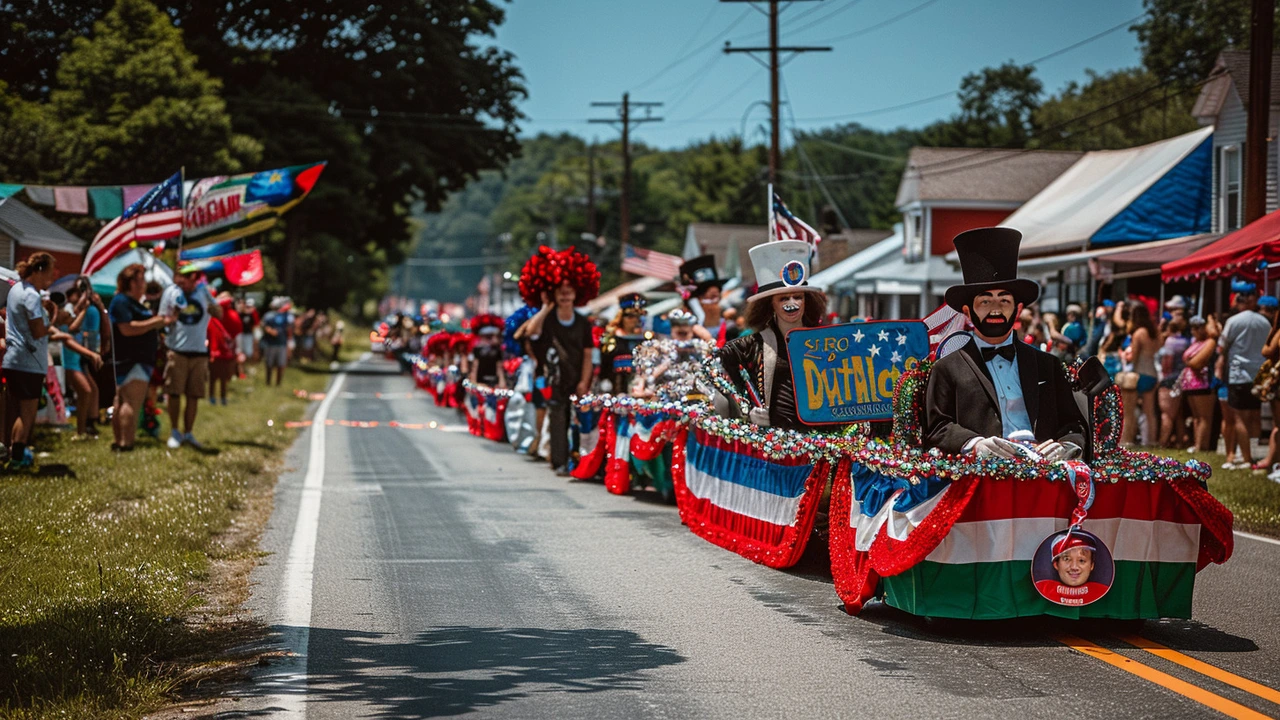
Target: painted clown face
[(788, 308), (1074, 566)]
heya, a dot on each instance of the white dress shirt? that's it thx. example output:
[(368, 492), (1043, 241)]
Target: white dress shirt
[(1008, 384)]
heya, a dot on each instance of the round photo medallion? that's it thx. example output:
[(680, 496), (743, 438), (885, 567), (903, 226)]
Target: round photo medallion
[(1072, 568)]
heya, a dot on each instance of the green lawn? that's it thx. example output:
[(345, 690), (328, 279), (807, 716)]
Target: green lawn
[(107, 561), (1253, 499)]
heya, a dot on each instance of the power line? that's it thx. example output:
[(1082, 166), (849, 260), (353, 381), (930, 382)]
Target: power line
[(696, 51), (877, 26), (824, 18), (851, 150), (726, 98), (952, 93)]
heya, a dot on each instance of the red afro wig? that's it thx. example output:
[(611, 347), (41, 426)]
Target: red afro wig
[(485, 320), (461, 343), (548, 269), (438, 344)]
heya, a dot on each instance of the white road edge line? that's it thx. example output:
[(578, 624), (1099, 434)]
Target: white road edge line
[(290, 682), (1259, 538)]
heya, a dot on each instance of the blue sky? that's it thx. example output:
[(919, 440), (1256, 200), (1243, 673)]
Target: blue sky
[(573, 52)]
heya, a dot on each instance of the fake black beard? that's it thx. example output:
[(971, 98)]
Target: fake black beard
[(990, 329), (790, 307)]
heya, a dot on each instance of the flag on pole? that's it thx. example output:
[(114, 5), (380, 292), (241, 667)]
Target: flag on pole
[(650, 263), (783, 225), (155, 216)]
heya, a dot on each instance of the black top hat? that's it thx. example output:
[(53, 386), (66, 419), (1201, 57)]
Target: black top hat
[(989, 260), (633, 303), (700, 272)]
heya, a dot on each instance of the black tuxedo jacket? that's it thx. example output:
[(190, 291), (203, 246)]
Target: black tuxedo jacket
[(960, 399)]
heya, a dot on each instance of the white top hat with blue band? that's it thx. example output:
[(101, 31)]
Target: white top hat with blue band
[(781, 267)]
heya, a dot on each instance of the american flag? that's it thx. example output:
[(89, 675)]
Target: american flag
[(943, 322), (155, 216), (783, 225), (650, 263)]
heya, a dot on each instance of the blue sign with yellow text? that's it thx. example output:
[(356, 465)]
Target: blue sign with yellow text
[(847, 373)]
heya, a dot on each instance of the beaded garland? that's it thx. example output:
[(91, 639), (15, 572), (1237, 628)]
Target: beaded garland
[(681, 377)]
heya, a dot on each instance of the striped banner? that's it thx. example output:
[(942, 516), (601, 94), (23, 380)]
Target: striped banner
[(595, 433), (650, 434), (963, 549), (730, 494), (617, 466)]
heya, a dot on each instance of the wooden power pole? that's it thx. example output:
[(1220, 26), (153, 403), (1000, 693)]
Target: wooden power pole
[(625, 120), (1261, 36), (773, 64), (591, 187)]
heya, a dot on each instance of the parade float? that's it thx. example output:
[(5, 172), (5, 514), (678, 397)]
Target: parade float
[(1097, 532)]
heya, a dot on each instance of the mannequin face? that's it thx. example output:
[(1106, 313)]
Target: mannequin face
[(681, 332), (710, 297), (788, 308), (630, 323), (992, 314)]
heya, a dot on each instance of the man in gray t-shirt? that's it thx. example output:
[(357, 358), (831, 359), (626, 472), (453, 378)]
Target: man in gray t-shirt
[(186, 372), (1243, 338)]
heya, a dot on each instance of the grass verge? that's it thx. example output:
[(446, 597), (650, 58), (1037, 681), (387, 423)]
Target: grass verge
[(119, 574), (1253, 499)]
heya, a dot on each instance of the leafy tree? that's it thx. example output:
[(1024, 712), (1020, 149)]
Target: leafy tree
[(1181, 39), (412, 82), (997, 109), (128, 102), (1114, 110)]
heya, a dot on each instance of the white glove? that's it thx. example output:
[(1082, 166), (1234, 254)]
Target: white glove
[(996, 446), (759, 416), (1053, 451)]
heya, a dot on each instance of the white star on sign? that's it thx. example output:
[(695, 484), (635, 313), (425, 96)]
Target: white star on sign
[(902, 339), (884, 334), (895, 358), (875, 351), (857, 336)]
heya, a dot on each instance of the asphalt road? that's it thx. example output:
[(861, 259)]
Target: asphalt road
[(453, 577)]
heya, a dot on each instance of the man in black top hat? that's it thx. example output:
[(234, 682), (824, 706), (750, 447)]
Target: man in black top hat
[(706, 285), (996, 389)]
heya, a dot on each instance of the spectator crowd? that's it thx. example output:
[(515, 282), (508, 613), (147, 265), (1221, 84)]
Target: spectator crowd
[(69, 356)]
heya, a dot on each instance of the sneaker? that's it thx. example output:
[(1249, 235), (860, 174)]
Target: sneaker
[(190, 439), (29, 456), (21, 463), (175, 440)]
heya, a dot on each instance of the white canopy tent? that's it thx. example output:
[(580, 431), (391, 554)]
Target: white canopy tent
[(1085, 204)]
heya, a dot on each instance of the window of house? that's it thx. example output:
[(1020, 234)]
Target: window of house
[(1230, 192), (915, 236)]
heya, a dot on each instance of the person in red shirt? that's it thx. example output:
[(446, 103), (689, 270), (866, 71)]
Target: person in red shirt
[(222, 335)]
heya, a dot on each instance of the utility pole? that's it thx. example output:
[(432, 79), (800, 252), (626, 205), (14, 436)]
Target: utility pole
[(591, 187), (625, 119), (773, 64), (1261, 34)]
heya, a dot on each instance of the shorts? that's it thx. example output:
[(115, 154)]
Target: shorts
[(1146, 383), (1240, 397), (24, 385), (222, 370), (71, 360), (275, 356), (186, 375), (1196, 393), (139, 371), (244, 344)]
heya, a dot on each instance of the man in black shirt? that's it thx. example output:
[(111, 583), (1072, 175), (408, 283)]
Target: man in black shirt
[(562, 342)]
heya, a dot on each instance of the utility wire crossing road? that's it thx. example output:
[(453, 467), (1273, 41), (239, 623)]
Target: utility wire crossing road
[(430, 574)]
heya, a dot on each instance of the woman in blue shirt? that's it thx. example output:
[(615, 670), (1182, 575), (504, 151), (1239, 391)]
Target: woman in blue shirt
[(86, 327)]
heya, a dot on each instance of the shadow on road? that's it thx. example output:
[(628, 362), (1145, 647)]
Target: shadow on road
[(454, 670), (1186, 635)]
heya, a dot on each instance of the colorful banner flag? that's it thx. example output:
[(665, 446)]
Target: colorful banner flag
[(209, 251), (157, 215), (243, 268), (225, 208)]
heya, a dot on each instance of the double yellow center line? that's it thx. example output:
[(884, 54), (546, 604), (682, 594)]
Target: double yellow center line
[(1209, 699)]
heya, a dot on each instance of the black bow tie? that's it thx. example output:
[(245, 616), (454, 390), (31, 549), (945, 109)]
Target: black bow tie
[(1004, 351)]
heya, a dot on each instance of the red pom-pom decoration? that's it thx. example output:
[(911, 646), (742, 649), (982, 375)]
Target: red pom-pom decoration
[(548, 269), (485, 320)]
